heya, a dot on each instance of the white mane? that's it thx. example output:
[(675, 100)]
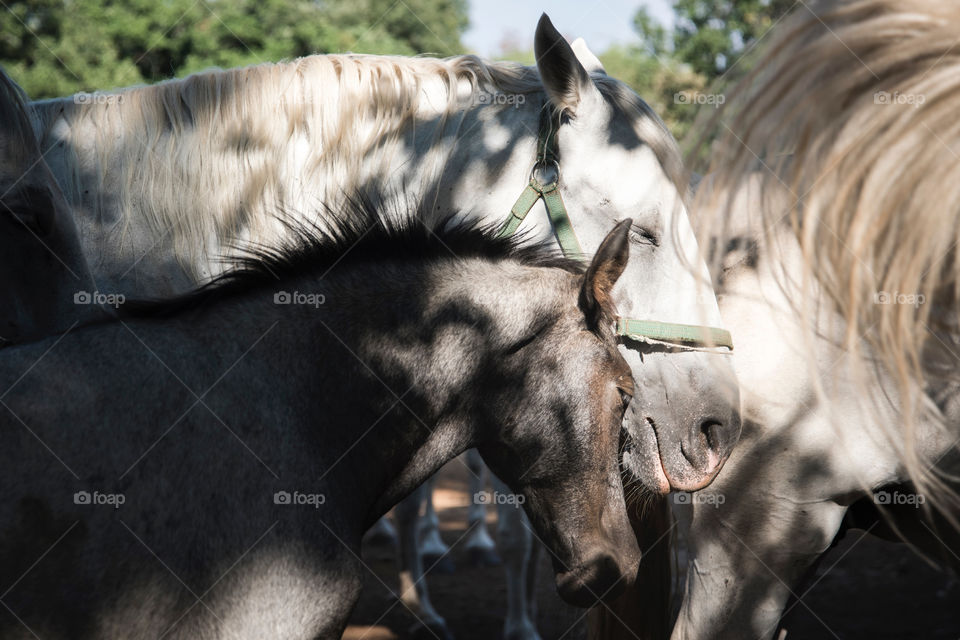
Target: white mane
[(213, 157)]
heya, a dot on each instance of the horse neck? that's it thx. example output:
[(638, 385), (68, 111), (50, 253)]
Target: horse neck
[(483, 169), (430, 339), (182, 211)]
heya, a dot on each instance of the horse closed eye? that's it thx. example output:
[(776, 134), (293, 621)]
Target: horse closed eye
[(520, 344), (638, 235), (625, 389), (512, 349)]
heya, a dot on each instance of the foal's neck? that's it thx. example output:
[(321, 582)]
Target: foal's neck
[(424, 345)]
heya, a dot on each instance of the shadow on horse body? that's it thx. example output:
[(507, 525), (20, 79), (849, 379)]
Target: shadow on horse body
[(205, 467)]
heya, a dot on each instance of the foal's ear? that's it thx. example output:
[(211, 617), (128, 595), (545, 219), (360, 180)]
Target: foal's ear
[(607, 266), (567, 82)]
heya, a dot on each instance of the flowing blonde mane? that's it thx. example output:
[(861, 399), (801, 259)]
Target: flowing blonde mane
[(211, 158), (853, 109)]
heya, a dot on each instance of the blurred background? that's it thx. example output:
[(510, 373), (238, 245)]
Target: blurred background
[(659, 47)]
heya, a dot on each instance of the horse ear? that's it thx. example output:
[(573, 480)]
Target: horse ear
[(589, 61), (596, 300), (567, 82)]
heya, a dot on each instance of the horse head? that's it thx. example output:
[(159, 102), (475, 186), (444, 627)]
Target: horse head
[(617, 160), (561, 430)]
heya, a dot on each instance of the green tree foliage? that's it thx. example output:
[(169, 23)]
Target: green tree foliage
[(712, 35), (58, 47), (654, 34)]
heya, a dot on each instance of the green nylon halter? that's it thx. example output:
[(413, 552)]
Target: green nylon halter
[(544, 185)]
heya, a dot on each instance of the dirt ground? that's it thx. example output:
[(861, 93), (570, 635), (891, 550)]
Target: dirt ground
[(865, 588)]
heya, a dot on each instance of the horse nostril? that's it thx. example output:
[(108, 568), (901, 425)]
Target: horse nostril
[(710, 434)]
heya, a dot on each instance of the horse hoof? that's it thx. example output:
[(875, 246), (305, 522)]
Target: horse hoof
[(480, 557), (436, 630), (443, 565)]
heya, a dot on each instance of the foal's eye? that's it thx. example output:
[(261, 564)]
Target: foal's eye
[(517, 346), (537, 331), (625, 389), (624, 398)]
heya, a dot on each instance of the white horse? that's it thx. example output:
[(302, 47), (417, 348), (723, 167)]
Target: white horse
[(164, 179), (807, 465), (834, 205)]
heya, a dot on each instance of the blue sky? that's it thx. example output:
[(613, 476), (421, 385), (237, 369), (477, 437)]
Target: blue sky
[(599, 22)]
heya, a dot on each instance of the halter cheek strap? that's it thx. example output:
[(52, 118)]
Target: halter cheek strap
[(544, 183)]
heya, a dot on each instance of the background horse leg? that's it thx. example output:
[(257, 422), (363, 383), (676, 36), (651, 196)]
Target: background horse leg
[(382, 533), (480, 546), (434, 552), (532, 559), (517, 546), (413, 584)]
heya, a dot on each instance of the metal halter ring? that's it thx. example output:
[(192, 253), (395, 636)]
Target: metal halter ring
[(539, 171)]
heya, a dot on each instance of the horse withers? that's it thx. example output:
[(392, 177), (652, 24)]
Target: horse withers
[(205, 467)]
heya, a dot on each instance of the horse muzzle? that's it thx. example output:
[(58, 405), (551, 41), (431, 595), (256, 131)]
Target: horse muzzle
[(601, 577), (684, 422)]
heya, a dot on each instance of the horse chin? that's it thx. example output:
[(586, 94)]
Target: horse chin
[(599, 579), (689, 480)]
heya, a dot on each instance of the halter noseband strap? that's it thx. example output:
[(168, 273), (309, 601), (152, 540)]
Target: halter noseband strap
[(544, 183)]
